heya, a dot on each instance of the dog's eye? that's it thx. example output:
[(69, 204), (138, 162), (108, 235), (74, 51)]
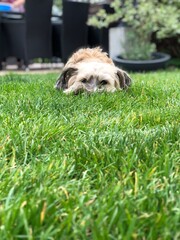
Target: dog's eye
[(84, 80), (103, 82)]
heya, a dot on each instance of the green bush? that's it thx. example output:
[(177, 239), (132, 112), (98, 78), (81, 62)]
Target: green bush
[(148, 17)]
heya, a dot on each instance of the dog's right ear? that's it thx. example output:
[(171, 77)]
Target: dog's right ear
[(62, 81)]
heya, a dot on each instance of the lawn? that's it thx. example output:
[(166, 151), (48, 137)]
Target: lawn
[(100, 166)]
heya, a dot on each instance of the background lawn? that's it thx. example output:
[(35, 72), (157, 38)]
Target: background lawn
[(104, 166)]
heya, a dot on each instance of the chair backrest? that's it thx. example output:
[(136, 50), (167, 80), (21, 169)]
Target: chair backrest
[(38, 28), (74, 30)]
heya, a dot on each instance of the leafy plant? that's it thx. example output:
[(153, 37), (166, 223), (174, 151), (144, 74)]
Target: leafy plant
[(135, 47), (145, 18)]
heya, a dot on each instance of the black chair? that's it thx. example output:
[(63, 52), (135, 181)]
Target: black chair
[(74, 27), (56, 36), (71, 32), (28, 36)]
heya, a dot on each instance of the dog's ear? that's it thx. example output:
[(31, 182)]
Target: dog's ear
[(124, 79), (62, 81)]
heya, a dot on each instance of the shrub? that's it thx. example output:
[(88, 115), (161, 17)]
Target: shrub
[(145, 18)]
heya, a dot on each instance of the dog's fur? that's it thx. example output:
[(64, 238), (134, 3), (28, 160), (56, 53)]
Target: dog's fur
[(91, 70)]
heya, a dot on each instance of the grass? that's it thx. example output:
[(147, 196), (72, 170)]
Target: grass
[(104, 166)]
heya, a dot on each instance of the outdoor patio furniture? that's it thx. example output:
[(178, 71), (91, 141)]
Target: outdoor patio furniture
[(56, 36), (29, 35), (74, 28), (37, 34)]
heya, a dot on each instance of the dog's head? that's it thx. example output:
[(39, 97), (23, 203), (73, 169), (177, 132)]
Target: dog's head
[(91, 70), (92, 77)]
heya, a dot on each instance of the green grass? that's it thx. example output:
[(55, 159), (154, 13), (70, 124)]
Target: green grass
[(104, 166)]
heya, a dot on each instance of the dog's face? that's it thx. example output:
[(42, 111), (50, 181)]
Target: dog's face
[(90, 76)]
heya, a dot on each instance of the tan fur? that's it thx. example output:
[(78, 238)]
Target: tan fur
[(89, 54), (91, 70)]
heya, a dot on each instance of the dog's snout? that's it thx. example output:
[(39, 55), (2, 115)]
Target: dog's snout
[(91, 85), (92, 82)]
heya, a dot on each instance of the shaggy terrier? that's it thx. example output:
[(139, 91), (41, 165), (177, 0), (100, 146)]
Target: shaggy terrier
[(91, 70)]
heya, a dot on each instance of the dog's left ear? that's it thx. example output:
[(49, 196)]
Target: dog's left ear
[(62, 81), (124, 79)]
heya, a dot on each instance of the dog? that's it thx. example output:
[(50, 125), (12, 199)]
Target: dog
[(91, 70)]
